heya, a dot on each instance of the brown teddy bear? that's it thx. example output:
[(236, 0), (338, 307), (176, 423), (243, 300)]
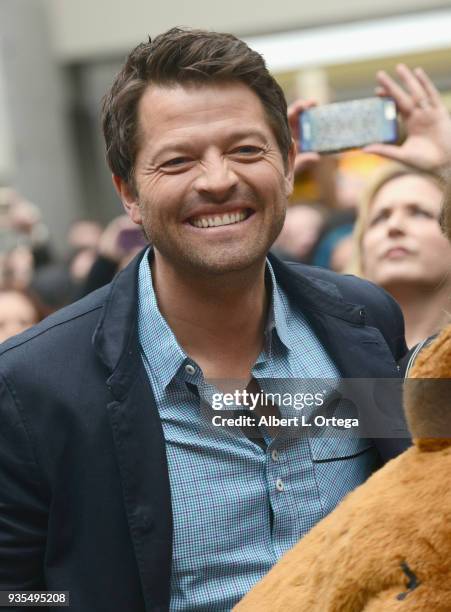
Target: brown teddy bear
[(387, 547)]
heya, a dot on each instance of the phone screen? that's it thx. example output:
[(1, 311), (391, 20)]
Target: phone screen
[(348, 125)]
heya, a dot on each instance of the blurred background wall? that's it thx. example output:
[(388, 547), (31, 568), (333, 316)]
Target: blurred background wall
[(58, 57)]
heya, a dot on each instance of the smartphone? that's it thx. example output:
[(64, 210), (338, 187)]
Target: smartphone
[(348, 125), (131, 238)]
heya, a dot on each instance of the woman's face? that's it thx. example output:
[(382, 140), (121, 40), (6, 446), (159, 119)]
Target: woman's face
[(403, 243), (16, 314)]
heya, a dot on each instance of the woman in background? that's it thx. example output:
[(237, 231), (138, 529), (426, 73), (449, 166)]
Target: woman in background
[(399, 245)]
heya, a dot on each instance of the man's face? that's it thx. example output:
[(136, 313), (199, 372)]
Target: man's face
[(211, 186)]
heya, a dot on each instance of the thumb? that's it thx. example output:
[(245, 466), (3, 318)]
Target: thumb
[(390, 151), (305, 160)]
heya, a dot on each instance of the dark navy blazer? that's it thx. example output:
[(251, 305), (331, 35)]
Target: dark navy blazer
[(85, 502)]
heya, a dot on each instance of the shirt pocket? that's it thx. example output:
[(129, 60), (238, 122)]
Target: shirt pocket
[(341, 465)]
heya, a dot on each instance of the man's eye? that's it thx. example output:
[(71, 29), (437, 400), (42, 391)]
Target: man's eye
[(175, 162), (248, 150)]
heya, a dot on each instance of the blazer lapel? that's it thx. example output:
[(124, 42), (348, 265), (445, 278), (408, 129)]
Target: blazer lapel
[(138, 439), (358, 350), (139, 442)]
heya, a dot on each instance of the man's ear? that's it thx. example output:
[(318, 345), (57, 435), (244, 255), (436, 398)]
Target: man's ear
[(129, 198), (289, 170)]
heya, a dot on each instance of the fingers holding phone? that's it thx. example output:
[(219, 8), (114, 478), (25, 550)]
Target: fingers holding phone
[(417, 92), (303, 159), (371, 124), (425, 117)]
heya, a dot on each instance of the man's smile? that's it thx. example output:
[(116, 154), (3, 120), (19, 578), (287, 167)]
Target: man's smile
[(207, 221)]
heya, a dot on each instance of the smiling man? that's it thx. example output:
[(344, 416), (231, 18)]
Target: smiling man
[(211, 156), (210, 186), (112, 485)]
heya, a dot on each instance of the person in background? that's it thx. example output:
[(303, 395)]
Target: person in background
[(332, 249), (341, 254), (428, 125), (300, 232), (19, 310), (427, 148), (21, 225), (120, 241), (399, 245), (17, 267), (54, 286), (83, 234), (82, 239), (24, 242)]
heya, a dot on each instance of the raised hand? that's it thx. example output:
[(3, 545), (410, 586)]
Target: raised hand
[(303, 160), (426, 119)]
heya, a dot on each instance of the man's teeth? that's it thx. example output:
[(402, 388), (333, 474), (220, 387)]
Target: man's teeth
[(219, 220)]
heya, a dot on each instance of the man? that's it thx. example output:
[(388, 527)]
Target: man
[(112, 486)]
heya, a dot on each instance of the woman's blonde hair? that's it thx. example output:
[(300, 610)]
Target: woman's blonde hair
[(386, 173)]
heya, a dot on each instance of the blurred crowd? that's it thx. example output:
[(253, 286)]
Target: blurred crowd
[(369, 215), (389, 234), (34, 281)]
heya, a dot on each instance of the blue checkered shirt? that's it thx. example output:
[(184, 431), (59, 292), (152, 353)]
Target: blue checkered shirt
[(237, 507)]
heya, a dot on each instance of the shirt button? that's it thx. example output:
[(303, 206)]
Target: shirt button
[(275, 455), (189, 369), (279, 484)]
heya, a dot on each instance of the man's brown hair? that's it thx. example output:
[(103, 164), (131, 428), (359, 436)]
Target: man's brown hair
[(184, 56)]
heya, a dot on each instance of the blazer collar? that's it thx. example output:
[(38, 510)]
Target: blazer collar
[(116, 342), (358, 350), (116, 336), (315, 295)]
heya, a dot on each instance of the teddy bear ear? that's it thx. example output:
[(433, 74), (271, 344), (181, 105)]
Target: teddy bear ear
[(427, 395)]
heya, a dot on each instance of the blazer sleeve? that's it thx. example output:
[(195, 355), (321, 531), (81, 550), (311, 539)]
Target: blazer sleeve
[(392, 326), (23, 501), (383, 312), (390, 321)]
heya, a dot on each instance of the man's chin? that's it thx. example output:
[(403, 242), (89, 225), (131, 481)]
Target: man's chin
[(217, 260), (220, 264), (224, 266)]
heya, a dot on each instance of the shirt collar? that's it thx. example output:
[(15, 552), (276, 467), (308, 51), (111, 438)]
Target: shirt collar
[(159, 344), (161, 349), (278, 312)]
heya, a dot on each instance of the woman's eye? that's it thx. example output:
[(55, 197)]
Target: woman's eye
[(377, 219), (420, 212)]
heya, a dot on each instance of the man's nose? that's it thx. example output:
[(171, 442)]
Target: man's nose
[(216, 179)]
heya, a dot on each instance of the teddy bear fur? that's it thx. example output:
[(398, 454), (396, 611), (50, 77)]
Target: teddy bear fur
[(387, 546)]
